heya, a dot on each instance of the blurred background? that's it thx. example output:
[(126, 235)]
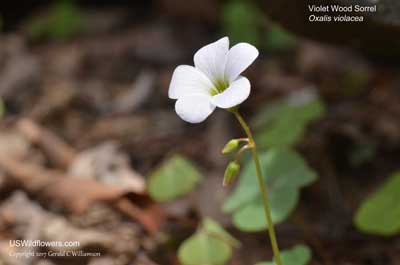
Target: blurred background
[(92, 151)]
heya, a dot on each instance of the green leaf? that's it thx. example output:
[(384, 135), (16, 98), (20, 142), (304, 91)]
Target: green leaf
[(214, 228), (285, 173), (298, 255), (204, 249), (380, 213), (176, 177), (284, 123), (282, 168), (63, 21), (210, 245), (248, 27), (251, 217), (285, 132), (279, 39)]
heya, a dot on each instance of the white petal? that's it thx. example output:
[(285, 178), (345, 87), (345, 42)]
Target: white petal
[(188, 80), (194, 108), (235, 94), (211, 59), (240, 57)]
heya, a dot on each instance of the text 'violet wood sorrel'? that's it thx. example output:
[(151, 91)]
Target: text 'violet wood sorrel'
[(215, 81)]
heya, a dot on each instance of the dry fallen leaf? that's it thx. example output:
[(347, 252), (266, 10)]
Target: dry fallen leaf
[(56, 149), (101, 174), (77, 195), (109, 166), (49, 227)]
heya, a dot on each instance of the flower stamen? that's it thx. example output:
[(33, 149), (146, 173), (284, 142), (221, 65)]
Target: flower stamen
[(221, 85)]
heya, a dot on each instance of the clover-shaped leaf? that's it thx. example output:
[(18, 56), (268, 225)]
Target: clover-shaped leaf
[(284, 123), (176, 177), (251, 217), (380, 213), (211, 245), (285, 173), (298, 255)]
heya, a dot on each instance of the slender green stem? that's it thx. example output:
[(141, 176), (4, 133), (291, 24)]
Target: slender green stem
[(241, 151), (263, 190)]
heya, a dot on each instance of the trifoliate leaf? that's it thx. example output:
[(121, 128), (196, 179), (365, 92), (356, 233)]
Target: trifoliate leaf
[(298, 255), (285, 173), (251, 217), (214, 228), (380, 213), (283, 123), (176, 177), (210, 245), (204, 249)]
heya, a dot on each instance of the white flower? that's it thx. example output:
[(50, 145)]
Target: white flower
[(215, 81)]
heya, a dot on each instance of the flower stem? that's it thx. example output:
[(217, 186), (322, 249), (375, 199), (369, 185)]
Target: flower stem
[(263, 190)]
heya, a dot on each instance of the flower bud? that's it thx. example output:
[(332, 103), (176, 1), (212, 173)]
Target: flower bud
[(230, 146), (231, 171)]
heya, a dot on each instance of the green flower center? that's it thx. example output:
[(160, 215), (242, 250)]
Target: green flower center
[(219, 87)]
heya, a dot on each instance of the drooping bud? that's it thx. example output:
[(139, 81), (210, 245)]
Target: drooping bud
[(231, 171), (230, 146)]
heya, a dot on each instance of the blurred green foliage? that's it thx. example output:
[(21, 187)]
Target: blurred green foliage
[(283, 123), (278, 126), (211, 245), (243, 21), (63, 21), (354, 81), (2, 108), (361, 154), (279, 39), (176, 177), (379, 214), (298, 255), (285, 173)]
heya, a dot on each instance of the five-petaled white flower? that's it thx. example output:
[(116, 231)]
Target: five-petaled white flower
[(215, 81)]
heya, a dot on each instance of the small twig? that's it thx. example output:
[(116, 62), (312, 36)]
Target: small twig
[(57, 150), (131, 210)]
